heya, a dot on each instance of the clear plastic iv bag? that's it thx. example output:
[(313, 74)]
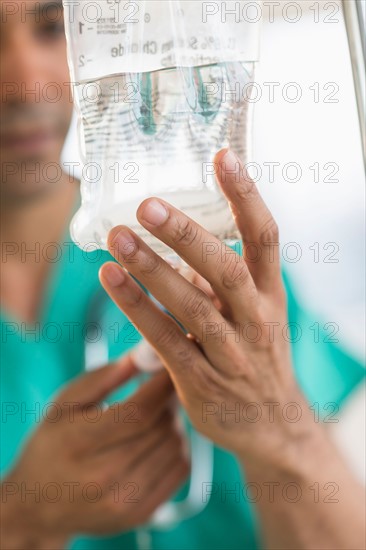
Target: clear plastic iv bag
[(160, 87)]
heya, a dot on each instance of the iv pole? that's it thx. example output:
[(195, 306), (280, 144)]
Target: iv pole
[(354, 18)]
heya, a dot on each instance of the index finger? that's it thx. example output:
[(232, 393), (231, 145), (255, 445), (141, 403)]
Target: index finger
[(221, 266)]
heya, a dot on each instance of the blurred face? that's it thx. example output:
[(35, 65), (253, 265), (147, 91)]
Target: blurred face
[(36, 103)]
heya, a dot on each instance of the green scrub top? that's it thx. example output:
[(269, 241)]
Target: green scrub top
[(37, 361)]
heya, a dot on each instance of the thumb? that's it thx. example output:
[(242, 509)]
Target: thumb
[(94, 386)]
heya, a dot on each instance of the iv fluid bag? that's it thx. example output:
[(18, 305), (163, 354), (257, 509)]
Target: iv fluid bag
[(160, 87)]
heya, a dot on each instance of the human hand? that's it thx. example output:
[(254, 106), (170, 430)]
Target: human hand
[(235, 357), (108, 470)]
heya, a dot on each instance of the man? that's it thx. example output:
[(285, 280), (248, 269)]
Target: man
[(132, 467)]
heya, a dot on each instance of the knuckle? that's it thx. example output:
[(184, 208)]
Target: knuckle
[(269, 232), (171, 340), (136, 298), (105, 476), (167, 337), (186, 233), (215, 337), (126, 251), (197, 307), (152, 266), (235, 275), (246, 190), (185, 358)]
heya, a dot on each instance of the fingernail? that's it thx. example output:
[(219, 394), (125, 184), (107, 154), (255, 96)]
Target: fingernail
[(154, 213), (124, 243), (114, 275)]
